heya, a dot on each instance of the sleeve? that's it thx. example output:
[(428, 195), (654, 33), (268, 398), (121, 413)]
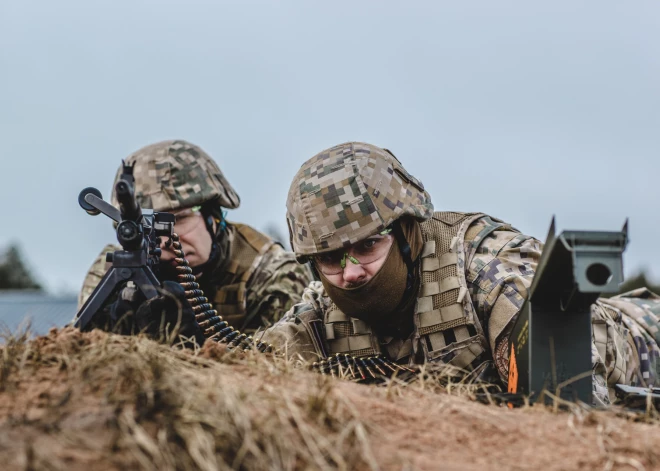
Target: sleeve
[(291, 335), (625, 334), (500, 273), (275, 287), (94, 275)]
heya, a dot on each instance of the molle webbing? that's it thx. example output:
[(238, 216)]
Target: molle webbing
[(444, 314), (247, 249), (349, 335), (445, 320)]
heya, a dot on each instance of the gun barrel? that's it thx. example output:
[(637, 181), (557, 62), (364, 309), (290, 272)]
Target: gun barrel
[(126, 198)]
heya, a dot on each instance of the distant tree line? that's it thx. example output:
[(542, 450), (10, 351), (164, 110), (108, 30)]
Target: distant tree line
[(14, 273), (638, 281)]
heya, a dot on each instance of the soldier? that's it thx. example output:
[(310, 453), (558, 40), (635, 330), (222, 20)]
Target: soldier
[(416, 286), (250, 279)]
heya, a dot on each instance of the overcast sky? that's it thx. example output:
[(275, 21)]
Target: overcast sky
[(516, 109)]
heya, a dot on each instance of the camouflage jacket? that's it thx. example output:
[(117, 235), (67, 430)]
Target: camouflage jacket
[(251, 290), (499, 269), (626, 335)]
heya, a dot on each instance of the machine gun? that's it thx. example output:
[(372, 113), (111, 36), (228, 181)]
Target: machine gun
[(139, 235)]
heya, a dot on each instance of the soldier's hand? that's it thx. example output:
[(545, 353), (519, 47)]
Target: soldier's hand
[(169, 316), (120, 315)]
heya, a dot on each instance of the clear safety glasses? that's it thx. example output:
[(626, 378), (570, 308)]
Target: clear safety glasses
[(363, 252)]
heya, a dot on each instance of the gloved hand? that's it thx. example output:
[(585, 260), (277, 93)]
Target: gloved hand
[(119, 316), (122, 311), (169, 315)]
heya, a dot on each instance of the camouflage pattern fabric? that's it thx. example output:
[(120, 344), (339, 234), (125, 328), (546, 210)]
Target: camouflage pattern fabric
[(499, 273), (347, 193), (289, 335), (95, 273), (275, 286), (499, 269), (641, 315), (613, 358), (627, 352), (177, 174)]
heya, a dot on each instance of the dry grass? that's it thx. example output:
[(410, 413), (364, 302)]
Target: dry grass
[(99, 401), (160, 408)]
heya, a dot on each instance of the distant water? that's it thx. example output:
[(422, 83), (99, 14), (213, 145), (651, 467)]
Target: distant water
[(42, 310)]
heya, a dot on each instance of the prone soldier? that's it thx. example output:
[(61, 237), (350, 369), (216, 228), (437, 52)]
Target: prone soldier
[(413, 286), (250, 280)]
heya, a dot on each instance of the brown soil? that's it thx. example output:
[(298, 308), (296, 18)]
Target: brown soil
[(96, 401)]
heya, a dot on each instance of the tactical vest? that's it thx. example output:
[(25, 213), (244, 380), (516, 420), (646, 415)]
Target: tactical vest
[(247, 248), (446, 325)]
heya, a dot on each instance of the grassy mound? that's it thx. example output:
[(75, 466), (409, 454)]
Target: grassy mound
[(72, 401)]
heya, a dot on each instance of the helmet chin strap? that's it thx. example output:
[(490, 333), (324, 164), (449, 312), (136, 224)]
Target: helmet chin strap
[(406, 254), (215, 248)]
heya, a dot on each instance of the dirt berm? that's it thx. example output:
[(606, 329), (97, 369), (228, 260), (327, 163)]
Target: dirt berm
[(74, 401)]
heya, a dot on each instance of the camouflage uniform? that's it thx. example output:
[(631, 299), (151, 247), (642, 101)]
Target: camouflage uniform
[(257, 281), (474, 272)]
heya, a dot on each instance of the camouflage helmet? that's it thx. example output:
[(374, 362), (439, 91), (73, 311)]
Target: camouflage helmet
[(348, 193), (177, 174)]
